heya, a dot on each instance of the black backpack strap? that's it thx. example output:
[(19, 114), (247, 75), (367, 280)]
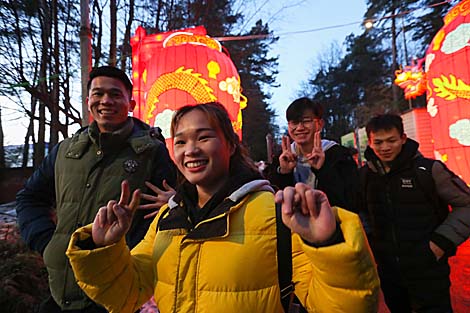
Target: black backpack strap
[(423, 169), (365, 214), (363, 181), (284, 260), (425, 181)]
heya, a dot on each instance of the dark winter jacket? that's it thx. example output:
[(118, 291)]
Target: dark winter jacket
[(337, 178), (405, 217), (79, 176)]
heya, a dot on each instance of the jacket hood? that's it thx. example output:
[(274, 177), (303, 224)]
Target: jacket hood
[(135, 133), (212, 220), (237, 195), (184, 210), (325, 144)]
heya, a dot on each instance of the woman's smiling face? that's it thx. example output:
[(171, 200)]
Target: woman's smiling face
[(201, 152)]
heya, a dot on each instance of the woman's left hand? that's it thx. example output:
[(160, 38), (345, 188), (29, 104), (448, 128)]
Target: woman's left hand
[(307, 212), (160, 198)]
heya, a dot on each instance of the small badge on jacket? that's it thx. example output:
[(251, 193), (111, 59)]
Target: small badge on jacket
[(130, 166), (407, 183)]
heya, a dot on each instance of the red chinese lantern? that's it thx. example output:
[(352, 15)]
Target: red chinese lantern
[(177, 68), (448, 90)]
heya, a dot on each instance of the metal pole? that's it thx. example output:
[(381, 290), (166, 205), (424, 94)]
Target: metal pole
[(410, 103), (394, 56), (269, 147)]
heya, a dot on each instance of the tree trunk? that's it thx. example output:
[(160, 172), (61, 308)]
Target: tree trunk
[(394, 55), (98, 36), (29, 134), (113, 33), (55, 70), (126, 50), (46, 30), (2, 147), (40, 145), (158, 15), (85, 54)]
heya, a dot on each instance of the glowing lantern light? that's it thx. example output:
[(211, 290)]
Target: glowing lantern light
[(177, 68), (412, 80), (448, 90)]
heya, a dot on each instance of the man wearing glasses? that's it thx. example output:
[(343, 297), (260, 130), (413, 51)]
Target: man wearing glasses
[(320, 163)]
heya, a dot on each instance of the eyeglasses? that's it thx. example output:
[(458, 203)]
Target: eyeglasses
[(306, 122)]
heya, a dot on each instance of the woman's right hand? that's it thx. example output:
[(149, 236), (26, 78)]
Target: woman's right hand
[(307, 212), (114, 220)]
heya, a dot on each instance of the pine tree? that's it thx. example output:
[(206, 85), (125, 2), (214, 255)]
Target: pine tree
[(351, 86), (257, 72), (426, 27)]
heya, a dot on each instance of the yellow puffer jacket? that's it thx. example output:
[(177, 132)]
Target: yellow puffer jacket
[(227, 263)]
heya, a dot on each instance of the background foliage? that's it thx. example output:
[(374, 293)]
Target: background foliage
[(39, 72)]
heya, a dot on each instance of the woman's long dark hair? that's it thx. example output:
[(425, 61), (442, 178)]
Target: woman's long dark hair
[(219, 120)]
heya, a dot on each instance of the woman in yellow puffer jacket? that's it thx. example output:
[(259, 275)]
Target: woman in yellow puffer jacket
[(213, 248)]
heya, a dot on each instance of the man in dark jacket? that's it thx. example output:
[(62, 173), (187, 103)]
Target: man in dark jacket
[(413, 233), (320, 163), (81, 174)]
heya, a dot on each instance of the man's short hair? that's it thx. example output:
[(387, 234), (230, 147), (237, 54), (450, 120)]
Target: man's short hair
[(110, 71), (297, 108), (386, 121)]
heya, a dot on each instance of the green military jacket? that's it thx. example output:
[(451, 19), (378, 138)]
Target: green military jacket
[(89, 169)]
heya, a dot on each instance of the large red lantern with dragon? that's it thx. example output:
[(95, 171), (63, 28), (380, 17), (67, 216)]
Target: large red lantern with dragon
[(177, 68), (448, 90)]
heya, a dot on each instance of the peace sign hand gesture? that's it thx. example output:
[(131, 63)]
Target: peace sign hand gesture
[(114, 220), (316, 158), (287, 159)]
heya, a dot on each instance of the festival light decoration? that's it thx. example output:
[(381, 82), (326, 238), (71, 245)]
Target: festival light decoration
[(176, 68), (448, 90), (412, 79)]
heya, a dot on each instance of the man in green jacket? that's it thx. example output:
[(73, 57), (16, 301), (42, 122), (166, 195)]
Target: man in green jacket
[(81, 174)]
